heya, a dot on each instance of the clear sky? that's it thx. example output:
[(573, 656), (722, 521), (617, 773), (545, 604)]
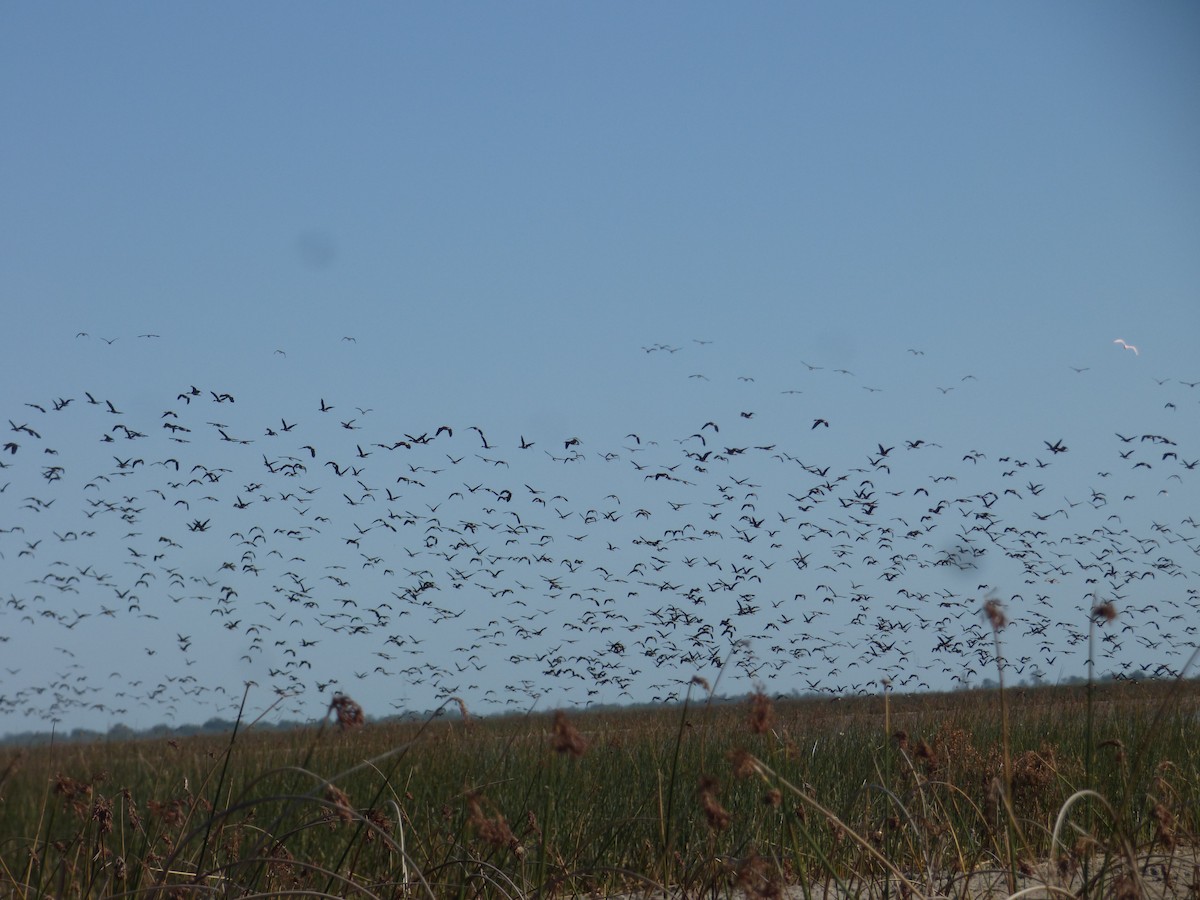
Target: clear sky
[(588, 221)]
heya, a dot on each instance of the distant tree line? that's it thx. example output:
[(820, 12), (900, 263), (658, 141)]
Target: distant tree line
[(217, 725)]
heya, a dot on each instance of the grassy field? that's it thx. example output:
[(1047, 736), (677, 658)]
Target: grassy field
[(890, 795)]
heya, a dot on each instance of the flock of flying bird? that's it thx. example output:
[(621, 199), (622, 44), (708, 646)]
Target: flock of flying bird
[(188, 545)]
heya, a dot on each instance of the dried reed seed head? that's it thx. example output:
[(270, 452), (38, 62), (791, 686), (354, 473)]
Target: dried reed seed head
[(1164, 825), (762, 713), (462, 708), (1104, 612), (758, 877), (279, 860), (379, 819), (531, 823), (742, 762), (926, 753), (901, 739), (102, 814), (77, 795), (1033, 771), (341, 803), (773, 797), (131, 810), (69, 788), (494, 830), (995, 614), (701, 681), (349, 714), (1084, 847), (172, 813), (715, 814), (565, 738)]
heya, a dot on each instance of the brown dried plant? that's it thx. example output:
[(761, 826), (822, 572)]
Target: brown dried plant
[(349, 714), (762, 713), (995, 614), (715, 814), (342, 808), (102, 814), (742, 763), (758, 877), (566, 739), (494, 830), (462, 708)]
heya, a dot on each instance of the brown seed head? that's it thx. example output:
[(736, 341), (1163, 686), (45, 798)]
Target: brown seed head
[(349, 714), (102, 814), (462, 708), (743, 763), (717, 816), (926, 753), (566, 739), (1104, 612), (341, 803), (995, 613), (380, 820), (757, 877), (1164, 825), (761, 713), (495, 830), (131, 810)]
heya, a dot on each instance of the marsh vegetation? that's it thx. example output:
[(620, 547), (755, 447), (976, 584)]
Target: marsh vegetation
[(1095, 790)]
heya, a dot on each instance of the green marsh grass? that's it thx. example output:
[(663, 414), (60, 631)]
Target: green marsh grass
[(890, 795)]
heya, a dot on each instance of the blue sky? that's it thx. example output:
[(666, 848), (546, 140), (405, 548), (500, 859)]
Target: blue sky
[(504, 206)]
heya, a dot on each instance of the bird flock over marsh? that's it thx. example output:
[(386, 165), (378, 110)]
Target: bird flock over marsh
[(165, 546)]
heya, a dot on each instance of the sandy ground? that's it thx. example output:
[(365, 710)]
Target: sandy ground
[(1160, 877)]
